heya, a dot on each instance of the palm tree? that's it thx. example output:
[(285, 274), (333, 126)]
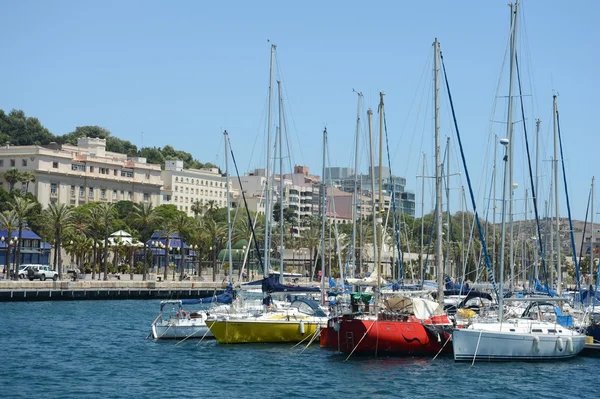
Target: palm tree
[(182, 224), (107, 214), (21, 207), (197, 208), (144, 218), (12, 176), (166, 226), (211, 205), (58, 217), (26, 177), (217, 233), (95, 230), (8, 222)]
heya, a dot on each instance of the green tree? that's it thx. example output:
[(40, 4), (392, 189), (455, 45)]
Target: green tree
[(197, 208), (58, 217), (21, 207), (26, 177), (107, 214), (12, 176), (182, 224), (10, 223), (144, 216)]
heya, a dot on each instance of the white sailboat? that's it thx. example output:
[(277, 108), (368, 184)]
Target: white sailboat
[(515, 338)]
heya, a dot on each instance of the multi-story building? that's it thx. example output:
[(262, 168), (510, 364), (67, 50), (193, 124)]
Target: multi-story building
[(83, 173), (185, 187), (404, 200)]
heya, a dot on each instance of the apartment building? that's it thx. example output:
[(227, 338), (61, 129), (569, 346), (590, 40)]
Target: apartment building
[(76, 175), (184, 187)]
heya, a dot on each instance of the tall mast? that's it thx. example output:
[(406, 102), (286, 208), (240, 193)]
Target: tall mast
[(462, 239), (438, 174), (507, 161), (447, 258), (226, 136), (557, 210), (537, 191), (323, 217), (281, 248), (592, 246), (360, 238), (355, 207), (523, 245), (268, 174), (509, 128), (380, 206), (422, 218), (374, 211), (494, 207)]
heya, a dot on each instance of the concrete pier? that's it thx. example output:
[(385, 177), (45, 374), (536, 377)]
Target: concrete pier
[(24, 290)]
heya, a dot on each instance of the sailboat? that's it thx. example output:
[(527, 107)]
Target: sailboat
[(402, 325), (275, 323), (515, 338)]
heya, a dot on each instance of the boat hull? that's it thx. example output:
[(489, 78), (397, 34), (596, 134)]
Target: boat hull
[(386, 337), (184, 329), (506, 346), (259, 331)]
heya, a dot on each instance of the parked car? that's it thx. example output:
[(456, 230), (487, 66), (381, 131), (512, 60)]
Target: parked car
[(22, 273), (42, 272)]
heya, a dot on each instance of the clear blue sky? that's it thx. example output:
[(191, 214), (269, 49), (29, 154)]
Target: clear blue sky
[(182, 71)]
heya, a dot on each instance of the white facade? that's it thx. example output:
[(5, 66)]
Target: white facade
[(183, 187), (76, 175)]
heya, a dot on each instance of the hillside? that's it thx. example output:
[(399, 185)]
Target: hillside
[(18, 129)]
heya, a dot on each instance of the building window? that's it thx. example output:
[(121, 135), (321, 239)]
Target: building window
[(146, 197), (53, 188), (1, 162), (175, 198), (122, 195), (176, 179), (175, 188), (55, 165), (78, 167), (116, 172), (115, 195), (103, 193), (81, 192), (91, 169), (147, 176), (13, 163), (91, 192), (130, 195), (72, 191), (126, 173)]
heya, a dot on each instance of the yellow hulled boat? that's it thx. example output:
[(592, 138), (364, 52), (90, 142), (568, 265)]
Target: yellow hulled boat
[(301, 321)]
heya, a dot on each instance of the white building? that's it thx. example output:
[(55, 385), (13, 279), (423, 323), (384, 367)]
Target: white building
[(184, 187), (83, 173)]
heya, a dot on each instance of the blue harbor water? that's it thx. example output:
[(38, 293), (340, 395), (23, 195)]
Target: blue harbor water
[(98, 349)]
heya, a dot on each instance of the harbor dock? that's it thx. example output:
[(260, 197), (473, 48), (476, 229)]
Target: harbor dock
[(24, 290)]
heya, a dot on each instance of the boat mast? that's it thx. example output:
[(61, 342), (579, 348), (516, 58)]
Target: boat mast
[(507, 161), (509, 127), (447, 257), (373, 210), (537, 192), (281, 248), (557, 210), (226, 137), (355, 207), (323, 217), (267, 172), (380, 206), (438, 174), (592, 246), (422, 217), (494, 207), (524, 245)]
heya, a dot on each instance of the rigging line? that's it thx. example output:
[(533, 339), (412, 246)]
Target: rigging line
[(287, 101), (393, 183), (464, 161), (260, 124), (256, 244), (531, 180), (562, 159)]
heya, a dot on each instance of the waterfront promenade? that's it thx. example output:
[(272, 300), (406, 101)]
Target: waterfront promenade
[(113, 288)]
